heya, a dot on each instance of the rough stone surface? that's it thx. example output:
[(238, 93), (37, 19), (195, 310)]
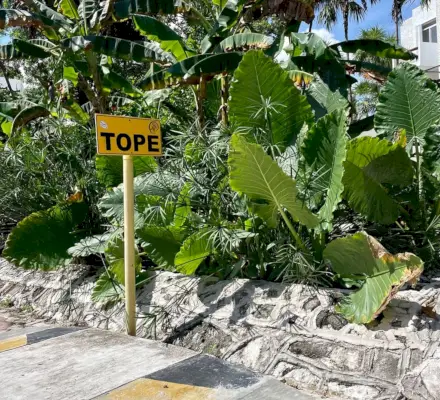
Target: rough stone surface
[(288, 331)]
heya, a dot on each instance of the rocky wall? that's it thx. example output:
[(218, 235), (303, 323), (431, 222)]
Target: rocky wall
[(289, 331)]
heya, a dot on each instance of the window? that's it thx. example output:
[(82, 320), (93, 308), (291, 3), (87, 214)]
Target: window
[(429, 32)]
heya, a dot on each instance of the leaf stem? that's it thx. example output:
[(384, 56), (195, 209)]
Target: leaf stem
[(420, 183), (294, 233)]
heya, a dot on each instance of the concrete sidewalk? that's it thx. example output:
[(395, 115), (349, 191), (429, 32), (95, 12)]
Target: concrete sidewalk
[(71, 363)]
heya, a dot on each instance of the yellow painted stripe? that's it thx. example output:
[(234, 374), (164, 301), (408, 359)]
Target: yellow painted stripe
[(159, 390), (13, 343)]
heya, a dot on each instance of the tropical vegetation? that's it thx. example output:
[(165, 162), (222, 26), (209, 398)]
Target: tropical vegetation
[(266, 173)]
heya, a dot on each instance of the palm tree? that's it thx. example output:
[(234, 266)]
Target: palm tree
[(375, 33), (367, 90), (349, 9)]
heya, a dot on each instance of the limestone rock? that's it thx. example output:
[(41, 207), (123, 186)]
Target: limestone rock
[(289, 331)]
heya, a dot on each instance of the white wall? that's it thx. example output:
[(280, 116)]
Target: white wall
[(15, 84), (411, 37)]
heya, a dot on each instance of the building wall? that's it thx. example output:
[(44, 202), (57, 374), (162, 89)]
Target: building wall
[(411, 36), (15, 84)]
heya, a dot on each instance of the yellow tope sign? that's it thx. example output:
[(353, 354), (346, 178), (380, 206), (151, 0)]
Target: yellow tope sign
[(117, 135)]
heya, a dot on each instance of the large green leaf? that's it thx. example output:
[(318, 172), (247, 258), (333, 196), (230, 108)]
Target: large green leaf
[(407, 101), (312, 45), (109, 168), (9, 109), (375, 47), (107, 289), (160, 244), (90, 245), (155, 209), (27, 115), (47, 12), (267, 187), (183, 207), (11, 18), (178, 70), (214, 65), (370, 164), (193, 252), (260, 83), (41, 240), (431, 151), (22, 49), (71, 75), (361, 257), (324, 150), (113, 81), (226, 19), (323, 100), (114, 255), (246, 41), (157, 184), (119, 48), (9, 52), (75, 111), (157, 31), (30, 49), (69, 9)]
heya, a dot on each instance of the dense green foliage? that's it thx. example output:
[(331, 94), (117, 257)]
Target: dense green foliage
[(263, 172)]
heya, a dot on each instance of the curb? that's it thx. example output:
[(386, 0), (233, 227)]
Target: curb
[(13, 342)]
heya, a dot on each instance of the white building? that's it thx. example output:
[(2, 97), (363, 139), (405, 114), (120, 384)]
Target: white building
[(419, 34), (16, 85)]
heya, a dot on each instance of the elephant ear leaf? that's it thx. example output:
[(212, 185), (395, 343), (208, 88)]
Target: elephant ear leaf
[(109, 168), (267, 187), (407, 101), (160, 243), (107, 289), (322, 99), (193, 252), (361, 257), (41, 240), (431, 151), (324, 151), (114, 254), (371, 164), (262, 91)]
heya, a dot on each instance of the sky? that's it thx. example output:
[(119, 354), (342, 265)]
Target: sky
[(379, 14)]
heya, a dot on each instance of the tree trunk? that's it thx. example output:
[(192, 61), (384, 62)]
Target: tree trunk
[(200, 100), (225, 96), (345, 17), (397, 36), (90, 94), (5, 75)]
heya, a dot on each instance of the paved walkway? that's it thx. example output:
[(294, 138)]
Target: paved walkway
[(70, 363)]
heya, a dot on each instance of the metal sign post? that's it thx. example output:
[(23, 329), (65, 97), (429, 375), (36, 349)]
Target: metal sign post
[(128, 136)]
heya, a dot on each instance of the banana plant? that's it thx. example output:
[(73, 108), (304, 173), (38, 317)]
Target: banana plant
[(73, 38), (309, 53)]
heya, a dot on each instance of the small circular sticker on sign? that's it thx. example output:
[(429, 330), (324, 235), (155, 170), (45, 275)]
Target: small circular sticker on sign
[(154, 126), (103, 125)]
